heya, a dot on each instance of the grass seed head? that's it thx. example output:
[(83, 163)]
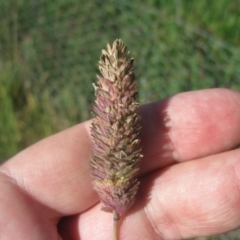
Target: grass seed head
[(115, 131)]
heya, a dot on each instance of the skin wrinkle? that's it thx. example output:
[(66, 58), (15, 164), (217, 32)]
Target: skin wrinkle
[(21, 179), (24, 179), (198, 219), (204, 223), (13, 226), (236, 171), (152, 223), (166, 221), (31, 176), (224, 197), (236, 178)]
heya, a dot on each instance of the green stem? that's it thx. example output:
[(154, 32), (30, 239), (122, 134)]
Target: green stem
[(115, 224)]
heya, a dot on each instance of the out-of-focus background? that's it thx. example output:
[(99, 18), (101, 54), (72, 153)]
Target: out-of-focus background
[(49, 52)]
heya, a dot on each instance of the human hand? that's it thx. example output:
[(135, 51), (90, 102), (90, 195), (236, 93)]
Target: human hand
[(190, 177)]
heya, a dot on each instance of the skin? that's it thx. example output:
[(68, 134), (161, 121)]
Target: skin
[(190, 177)]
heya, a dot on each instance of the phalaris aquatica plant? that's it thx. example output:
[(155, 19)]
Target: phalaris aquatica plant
[(115, 132)]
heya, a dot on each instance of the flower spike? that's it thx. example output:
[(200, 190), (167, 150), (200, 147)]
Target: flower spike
[(115, 132)]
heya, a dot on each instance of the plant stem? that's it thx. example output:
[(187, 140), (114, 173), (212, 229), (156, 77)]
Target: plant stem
[(115, 225)]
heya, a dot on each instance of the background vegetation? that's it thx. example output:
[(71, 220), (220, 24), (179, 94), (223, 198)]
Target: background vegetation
[(49, 52)]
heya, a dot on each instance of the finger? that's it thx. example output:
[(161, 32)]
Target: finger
[(55, 171), (194, 198), (21, 217), (188, 126)]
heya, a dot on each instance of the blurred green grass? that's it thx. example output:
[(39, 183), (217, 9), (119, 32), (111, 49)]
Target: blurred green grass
[(49, 52)]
